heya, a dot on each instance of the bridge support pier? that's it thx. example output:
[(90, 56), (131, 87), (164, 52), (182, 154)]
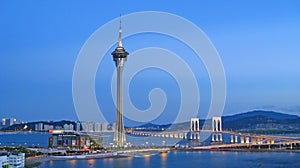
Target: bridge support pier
[(247, 140), (272, 141), (242, 139), (185, 135), (254, 140), (259, 140), (195, 136)]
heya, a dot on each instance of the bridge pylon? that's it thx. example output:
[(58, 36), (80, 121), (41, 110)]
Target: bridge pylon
[(195, 129), (216, 135)]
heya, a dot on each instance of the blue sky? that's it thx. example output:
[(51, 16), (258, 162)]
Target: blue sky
[(258, 42)]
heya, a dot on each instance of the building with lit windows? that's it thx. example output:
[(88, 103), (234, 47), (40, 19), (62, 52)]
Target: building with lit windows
[(6, 122), (60, 139)]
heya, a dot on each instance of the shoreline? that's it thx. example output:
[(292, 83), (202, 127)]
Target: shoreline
[(45, 158)]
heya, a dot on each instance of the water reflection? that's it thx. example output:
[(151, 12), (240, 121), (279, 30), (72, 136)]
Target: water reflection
[(72, 162), (202, 159), (91, 162), (147, 159), (129, 161), (51, 163), (163, 159)]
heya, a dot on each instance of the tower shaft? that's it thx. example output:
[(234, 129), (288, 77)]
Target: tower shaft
[(119, 136), (119, 56)]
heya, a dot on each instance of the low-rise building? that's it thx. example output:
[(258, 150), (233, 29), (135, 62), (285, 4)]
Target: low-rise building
[(16, 160), (3, 160), (12, 160), (73, 140)]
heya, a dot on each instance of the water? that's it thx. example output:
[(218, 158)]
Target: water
[(24, 139), (191, 159), (171, 159)]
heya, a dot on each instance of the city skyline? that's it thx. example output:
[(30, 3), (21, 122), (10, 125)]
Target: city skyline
[(257, 42)]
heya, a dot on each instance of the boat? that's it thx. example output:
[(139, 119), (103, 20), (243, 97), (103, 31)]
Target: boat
[(87, 156)]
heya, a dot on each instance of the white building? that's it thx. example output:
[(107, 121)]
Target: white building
[(48, 127), (97, 127), (87, 126), (78, 126), (91, 126), (39, 127), (6, 122), (68, 127), (12, 160), (113, 126), (16, 160), (58, 128), (104, 126), (3, 160)]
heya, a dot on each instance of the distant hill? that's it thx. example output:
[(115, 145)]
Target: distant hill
[(261, 121), (269, 114), (253, 121)]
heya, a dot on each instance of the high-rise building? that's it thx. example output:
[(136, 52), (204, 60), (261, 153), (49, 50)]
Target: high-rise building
[(48, 127), (119, 56), (39, 127), (68, 127), (104, 126), (6, 122), (3, 121), (78, 126), (97, 127), (58, 127), (87, 126)]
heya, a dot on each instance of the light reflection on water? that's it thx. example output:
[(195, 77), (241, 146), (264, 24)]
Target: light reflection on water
[(72, 162), (129, 161), (195, 159), (91, 162), (163, 157), (50, 163), (146, 160)]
